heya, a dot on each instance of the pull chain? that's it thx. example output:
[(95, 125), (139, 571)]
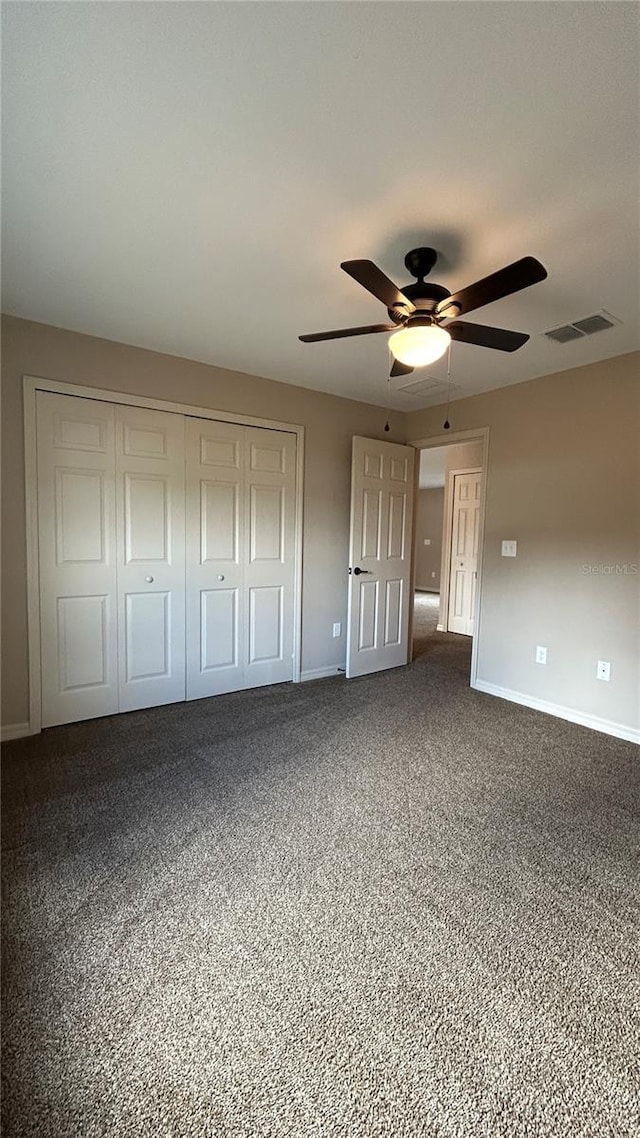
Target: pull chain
[(389, 366), (447, 424)]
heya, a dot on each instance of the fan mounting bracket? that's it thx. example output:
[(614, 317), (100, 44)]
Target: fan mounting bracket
[(419, 262)]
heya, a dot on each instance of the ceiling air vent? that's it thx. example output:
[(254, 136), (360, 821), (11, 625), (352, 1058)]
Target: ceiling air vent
[(592, 324), (426, 388), (564, 334), (580, 328)]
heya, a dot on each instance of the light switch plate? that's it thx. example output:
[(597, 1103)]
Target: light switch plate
[(509, 548), (337, 628)]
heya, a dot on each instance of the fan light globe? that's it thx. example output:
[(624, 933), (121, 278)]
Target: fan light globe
[(419, 345)]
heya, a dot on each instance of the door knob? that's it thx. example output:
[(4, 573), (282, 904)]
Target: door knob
[(149, 580), (357, 571), (221, 576)]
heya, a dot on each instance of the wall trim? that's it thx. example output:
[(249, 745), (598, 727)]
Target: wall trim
[(33, 384), (14, 731), (594, 722), (322, 673)]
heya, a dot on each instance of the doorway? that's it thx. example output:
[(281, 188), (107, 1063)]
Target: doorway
[(449, 523)]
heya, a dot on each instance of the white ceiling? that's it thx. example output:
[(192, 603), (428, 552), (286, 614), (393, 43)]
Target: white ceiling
[(188, 176)]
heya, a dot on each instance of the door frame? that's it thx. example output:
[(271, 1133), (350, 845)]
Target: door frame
[(33, 384), (447, 536), (479, 434)]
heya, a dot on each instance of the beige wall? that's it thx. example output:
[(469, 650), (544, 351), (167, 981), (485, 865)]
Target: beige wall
[(563, 479), (38, 350), (462, 456), (429, 510)]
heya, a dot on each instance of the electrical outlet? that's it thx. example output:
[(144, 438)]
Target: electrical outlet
[(509, 548), (603, 671), (337, 628), (433, 574), (427, 541), (541, 654)]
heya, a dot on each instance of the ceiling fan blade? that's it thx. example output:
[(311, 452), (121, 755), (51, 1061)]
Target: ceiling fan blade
[(373, 279), (399, 369), (486, 337), (521, 274), (341, 332)]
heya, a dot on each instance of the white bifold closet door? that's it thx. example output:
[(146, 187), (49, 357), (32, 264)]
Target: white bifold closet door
[(112, 557), (77, 554), (154, 589), (240, 556), (150, 572)]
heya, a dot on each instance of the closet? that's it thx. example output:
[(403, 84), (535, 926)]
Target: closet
[(166, 547)]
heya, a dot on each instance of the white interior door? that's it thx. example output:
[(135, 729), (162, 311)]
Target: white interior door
[(379, 556), (240, 556), (467, 492), (150, 458), (77, 555)]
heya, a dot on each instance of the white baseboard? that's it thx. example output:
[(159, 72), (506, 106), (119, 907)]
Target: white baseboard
[(14, 731), (440, 628), (321, 673), (607, 726)]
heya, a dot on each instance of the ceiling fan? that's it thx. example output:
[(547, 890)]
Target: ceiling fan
[(418, 311)]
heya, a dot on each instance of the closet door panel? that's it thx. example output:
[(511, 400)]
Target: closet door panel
[(216, 549), (240, 556), (266, 640), (151, 556), (219, 629), (76, 522), (270, 480)]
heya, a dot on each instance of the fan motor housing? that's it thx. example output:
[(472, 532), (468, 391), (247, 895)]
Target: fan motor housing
[(424, 295)]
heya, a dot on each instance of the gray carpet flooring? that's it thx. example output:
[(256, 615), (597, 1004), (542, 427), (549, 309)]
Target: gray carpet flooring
[(426, 608), (390, 906)]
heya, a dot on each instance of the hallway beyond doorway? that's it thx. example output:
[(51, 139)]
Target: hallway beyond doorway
[(425, 621), (426, 636)]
